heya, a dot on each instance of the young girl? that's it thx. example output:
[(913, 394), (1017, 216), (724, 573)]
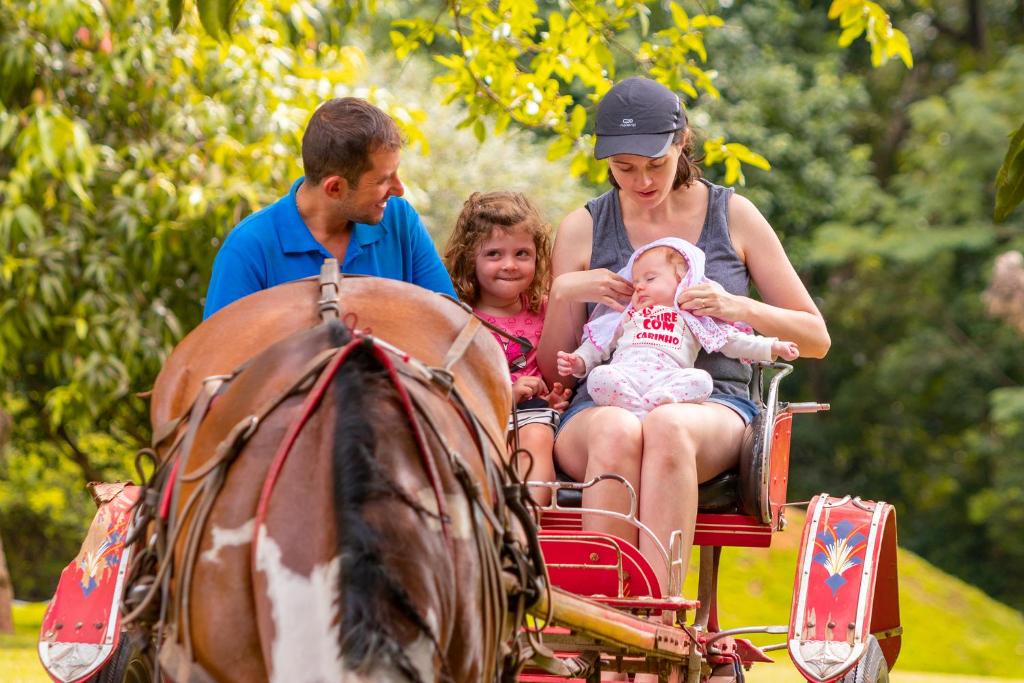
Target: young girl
[(498, 256)]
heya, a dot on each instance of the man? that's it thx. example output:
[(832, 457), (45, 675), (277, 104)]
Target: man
[(348, 206)]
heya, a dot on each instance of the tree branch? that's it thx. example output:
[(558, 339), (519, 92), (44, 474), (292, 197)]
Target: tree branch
[(79, 457)]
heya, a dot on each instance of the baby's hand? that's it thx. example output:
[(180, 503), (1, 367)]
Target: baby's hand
[(786, 349), (569, 364), (526, 387), (558, 398)]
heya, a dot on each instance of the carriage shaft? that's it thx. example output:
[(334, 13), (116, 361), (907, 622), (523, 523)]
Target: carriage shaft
[(614, 626)]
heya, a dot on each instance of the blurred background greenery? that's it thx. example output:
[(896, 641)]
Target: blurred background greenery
[(128, 150)]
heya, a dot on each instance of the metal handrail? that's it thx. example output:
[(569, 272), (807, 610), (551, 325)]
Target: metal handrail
[(673, 565)]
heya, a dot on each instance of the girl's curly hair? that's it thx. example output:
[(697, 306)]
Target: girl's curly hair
[(483, 213)]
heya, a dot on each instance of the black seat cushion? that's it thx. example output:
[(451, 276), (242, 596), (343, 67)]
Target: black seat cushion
[(720, 494)]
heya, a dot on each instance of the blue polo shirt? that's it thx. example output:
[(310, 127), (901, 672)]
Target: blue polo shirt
[(274, 245)]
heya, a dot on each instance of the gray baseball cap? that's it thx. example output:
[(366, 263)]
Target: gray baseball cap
[(637, 116)]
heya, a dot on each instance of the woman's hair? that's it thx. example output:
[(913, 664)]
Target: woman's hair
[(481, 215), (687, 168)]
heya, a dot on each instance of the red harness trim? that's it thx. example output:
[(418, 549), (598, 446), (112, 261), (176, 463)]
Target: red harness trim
[(165, 503), (311, 403)]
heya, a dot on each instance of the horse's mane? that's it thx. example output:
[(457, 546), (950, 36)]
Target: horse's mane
[(371, 591)]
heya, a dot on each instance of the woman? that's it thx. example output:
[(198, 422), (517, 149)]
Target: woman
[(658, 192)]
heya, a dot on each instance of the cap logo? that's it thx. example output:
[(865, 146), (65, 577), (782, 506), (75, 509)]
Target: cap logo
[(628, 123)]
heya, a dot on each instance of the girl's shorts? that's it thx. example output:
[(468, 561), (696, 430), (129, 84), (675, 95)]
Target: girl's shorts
[(534, 411), (743, 407)]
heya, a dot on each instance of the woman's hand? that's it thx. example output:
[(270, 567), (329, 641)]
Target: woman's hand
[(598, 286), (527, 387), (787, 349), (558, 398), (710, 298)]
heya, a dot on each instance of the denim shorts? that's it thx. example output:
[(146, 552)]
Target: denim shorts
[(744, 407)]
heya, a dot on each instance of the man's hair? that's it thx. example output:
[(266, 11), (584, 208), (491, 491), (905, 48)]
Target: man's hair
[(482, 214), (341, 135)]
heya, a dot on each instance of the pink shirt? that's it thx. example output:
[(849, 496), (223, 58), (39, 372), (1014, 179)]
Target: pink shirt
[(524, 324)]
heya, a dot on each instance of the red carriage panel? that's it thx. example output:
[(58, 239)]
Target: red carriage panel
[(81, 627), (846, 587), (597, 564)]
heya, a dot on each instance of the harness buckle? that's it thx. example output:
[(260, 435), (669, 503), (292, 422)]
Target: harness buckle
[(443, 378)]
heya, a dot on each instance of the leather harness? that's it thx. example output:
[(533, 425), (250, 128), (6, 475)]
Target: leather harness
[(512, 576)]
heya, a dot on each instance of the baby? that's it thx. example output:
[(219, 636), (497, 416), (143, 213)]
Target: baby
[(653, 343)]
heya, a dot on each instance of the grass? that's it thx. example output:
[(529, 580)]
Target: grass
[(953, 633), (19, 662)]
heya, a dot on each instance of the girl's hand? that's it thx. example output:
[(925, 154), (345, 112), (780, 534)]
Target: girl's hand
[(598, 286), (786, 349), (526, 387), (570, 364), (710, 298), (558, 398)]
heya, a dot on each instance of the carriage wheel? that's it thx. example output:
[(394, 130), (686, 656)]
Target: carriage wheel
[(130, 664), (871, 667)]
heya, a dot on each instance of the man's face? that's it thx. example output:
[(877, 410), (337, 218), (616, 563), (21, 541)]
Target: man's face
[(365, 201)]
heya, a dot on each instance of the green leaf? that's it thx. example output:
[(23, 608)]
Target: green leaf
[(479, 130), (679, 17), (580, 163), (850, 34), (732, 171), (1010, 179), (578, 120), (559, 148), (175, 7), (838, 7), (215, 15)]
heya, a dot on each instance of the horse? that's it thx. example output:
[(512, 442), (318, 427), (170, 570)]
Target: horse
[(334, 497)]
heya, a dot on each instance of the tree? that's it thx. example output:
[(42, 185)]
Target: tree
[(543, 65), (127, 151), (6, 590)]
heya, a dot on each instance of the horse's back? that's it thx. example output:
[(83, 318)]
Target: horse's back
[(418, 321)]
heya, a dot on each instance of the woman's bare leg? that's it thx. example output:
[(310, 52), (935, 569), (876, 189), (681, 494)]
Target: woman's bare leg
[(539, 440), (603, 440), (684, 443)]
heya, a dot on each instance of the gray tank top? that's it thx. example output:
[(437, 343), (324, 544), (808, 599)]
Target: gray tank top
[(611, 249)]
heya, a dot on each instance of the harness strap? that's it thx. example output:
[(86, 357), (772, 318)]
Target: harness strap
[(246, 427), (461, 343), (313, 400), (330, 291), (211, 385), (179, 667), (522, 341)]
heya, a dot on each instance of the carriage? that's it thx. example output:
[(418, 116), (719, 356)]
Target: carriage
[(550, 600)]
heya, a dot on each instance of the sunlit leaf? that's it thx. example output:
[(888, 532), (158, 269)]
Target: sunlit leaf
[(175, 7), (1010, 178)]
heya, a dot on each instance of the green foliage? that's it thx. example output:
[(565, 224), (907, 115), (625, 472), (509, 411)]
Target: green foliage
[(1010, 179), (543, 65), (923, 382), (857, 17), (127, 151)]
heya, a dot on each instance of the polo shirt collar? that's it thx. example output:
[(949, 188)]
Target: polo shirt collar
[(302, 241)]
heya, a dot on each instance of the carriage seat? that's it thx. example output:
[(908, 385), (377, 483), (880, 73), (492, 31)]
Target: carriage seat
[(754, 493)]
